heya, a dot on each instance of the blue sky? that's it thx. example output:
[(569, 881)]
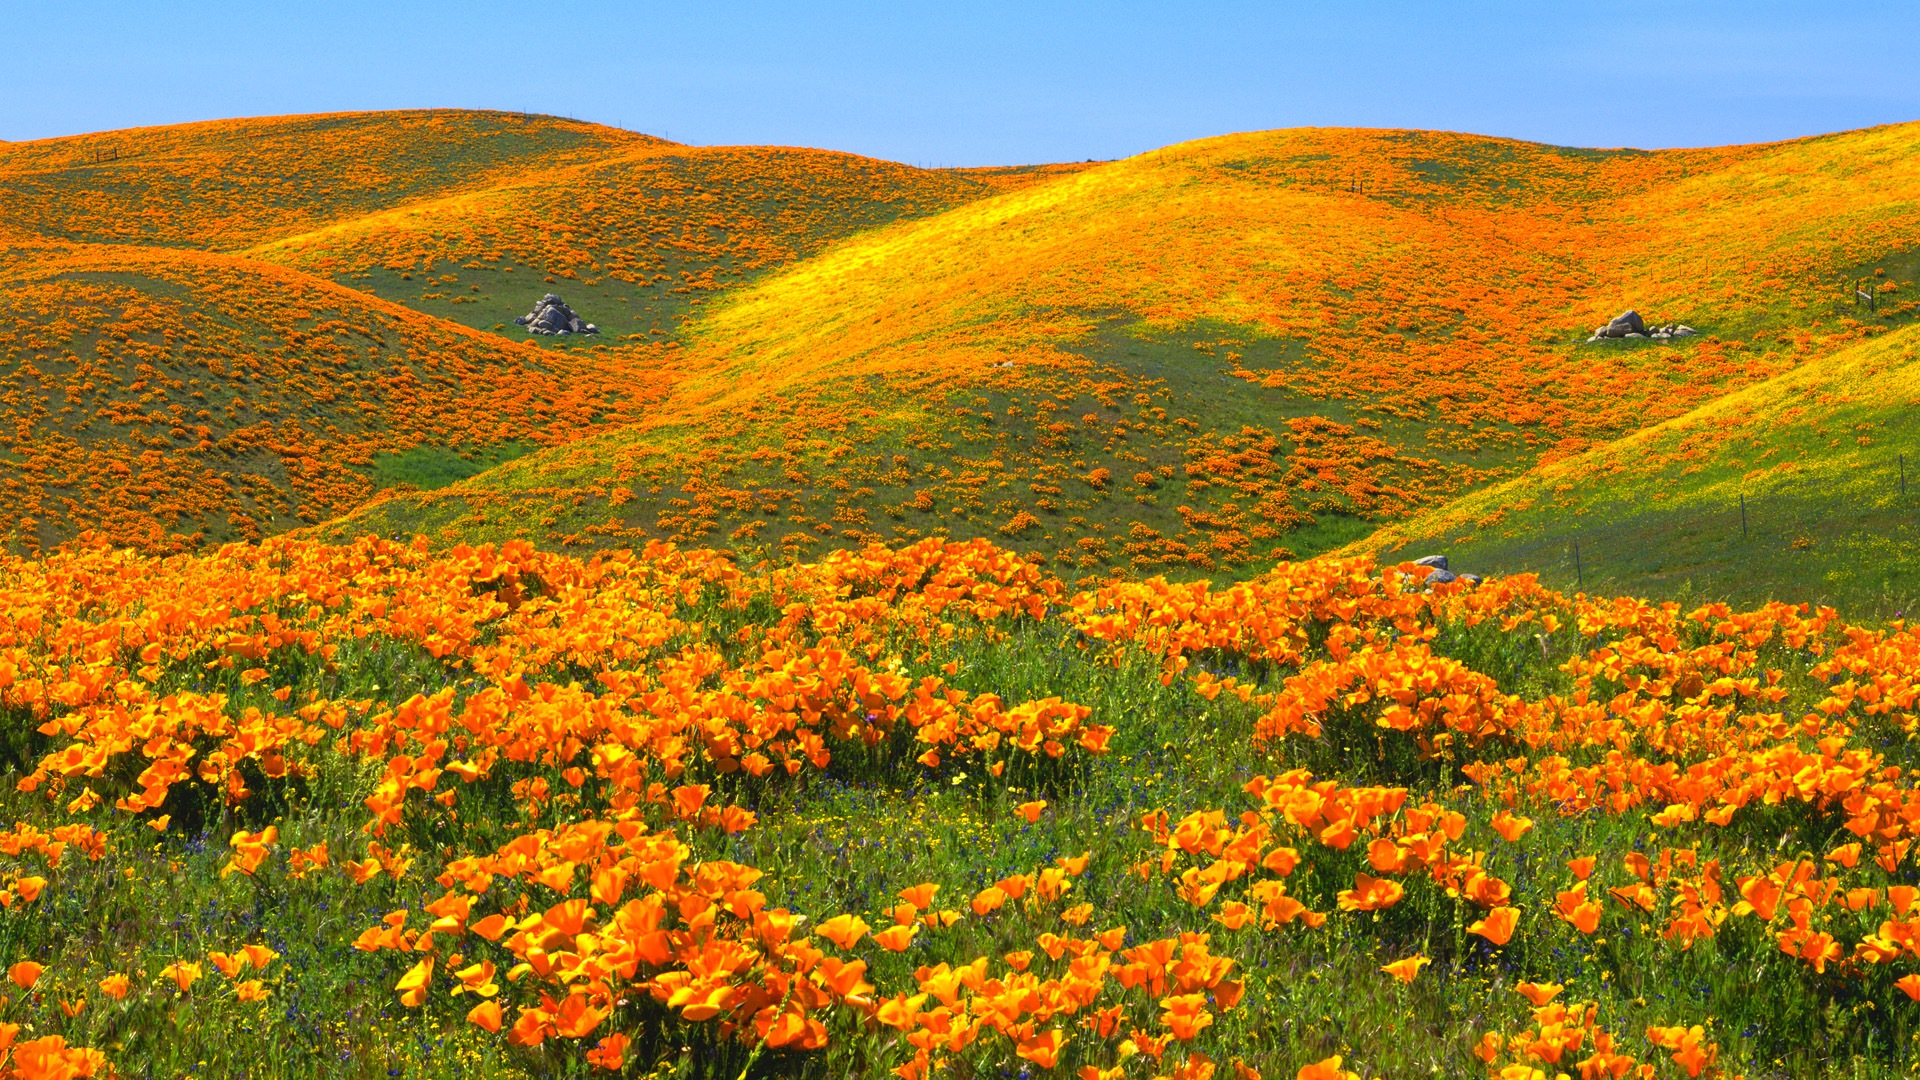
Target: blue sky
[(985, 82)]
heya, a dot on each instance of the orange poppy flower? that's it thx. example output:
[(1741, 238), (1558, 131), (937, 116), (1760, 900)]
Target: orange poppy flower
[(844, 930), (1538, 993), (921, 895), (1328, 1069), (485, 1015), (1043, 1049), (609, 1053), (413, 985), (1498, 926), (1406, 969)]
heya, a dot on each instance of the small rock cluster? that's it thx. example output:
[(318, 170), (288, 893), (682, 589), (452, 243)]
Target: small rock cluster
[(552, 316), (1628, 324), (1440, 575)]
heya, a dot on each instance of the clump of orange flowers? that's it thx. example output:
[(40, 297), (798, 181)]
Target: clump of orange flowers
[(618, 703)]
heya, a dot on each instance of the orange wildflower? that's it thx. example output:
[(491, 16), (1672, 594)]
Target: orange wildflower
[(1407, 968), (414, 984), (1498, 925), (183, 973), (1538, 993), (1327, 1069), (844, 931), (485, 1015)]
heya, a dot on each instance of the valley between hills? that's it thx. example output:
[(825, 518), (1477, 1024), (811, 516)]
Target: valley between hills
[(1199, 360)]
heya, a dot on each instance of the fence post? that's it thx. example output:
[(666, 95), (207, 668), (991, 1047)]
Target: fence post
[(1579, 575)]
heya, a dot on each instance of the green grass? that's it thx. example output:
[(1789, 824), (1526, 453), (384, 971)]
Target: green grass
[(491, 298), (428, 467), (1854, 553)]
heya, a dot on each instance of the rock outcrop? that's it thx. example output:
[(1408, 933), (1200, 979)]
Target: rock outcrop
[(1439, 574), (1629, 324), (552, 316)]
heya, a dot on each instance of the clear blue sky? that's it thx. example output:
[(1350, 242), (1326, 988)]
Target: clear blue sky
[(977, 83)]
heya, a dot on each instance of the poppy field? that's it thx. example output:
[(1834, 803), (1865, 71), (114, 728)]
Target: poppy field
[(1208, 358), (304, 809), (955, 623), (229, 330)]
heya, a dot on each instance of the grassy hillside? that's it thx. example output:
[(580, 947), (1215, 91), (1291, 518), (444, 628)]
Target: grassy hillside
[(1218, 353), (636, 241), (168, 396), (1814, 456), (227, 184), (1203, 358)]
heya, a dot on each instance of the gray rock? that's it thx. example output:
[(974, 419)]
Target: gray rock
[(1471, 579), (1684, 331), (1438, 562), (1626, 323), (552, 316), (1441, 577), (1642, 337)]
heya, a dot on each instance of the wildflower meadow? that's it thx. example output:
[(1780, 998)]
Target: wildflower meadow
[(952, 623)]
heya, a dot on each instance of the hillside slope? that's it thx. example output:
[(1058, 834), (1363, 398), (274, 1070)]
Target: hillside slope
[(636, 241), (1226, 351), (227, 184), (169, 398), (166, 395), (1805, 486)]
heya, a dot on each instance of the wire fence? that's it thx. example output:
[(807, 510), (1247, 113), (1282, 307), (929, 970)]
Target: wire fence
[(1814, 539)]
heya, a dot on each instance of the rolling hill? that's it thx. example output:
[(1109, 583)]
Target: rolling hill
[(1207, 357), (1224, 352), (163, 398), (228, 184), (1800, 488), (642, 237), (207, 327)]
